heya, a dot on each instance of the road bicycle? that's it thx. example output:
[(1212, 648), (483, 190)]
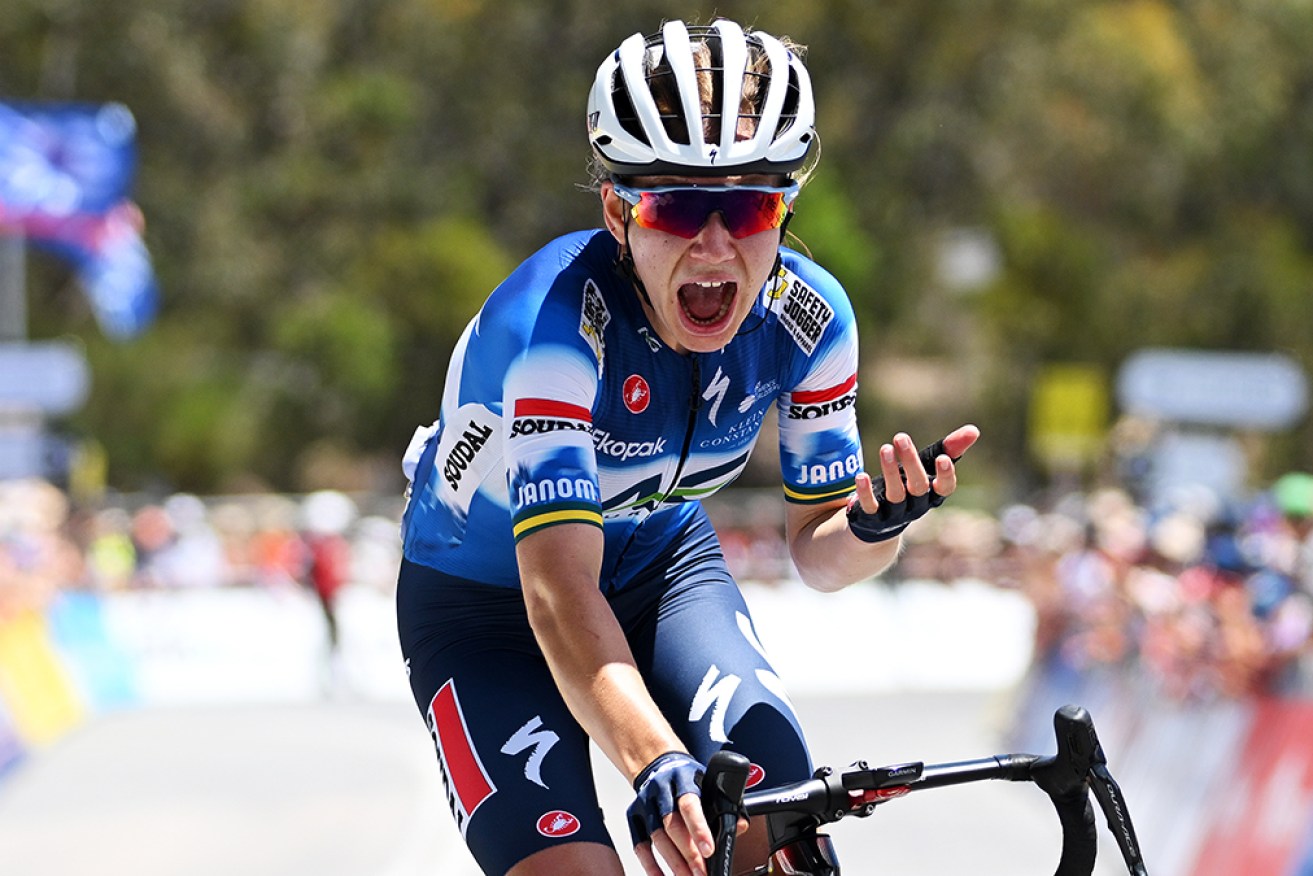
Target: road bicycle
[(795, 812)]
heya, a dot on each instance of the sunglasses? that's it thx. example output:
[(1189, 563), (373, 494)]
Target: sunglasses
[(683, 210)]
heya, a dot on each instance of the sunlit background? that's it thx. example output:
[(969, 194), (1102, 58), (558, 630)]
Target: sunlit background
[(239, 238)]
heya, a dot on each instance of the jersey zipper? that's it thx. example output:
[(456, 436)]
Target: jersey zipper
[(694, 405)]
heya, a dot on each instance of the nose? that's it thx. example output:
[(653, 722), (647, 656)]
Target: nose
[(713, 241)]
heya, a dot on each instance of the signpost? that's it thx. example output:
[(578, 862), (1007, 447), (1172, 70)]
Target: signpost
[(13, 288), (36, 379), (50, 377), (1203, 396), (1264, 391)]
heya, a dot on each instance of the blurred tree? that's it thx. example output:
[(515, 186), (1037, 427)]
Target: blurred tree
[(1146, 166), (332, 188)]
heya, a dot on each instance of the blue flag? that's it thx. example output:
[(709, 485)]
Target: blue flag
[(66, 175)]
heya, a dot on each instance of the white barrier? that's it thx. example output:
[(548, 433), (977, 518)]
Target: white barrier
[(873, 638), (260, 645)]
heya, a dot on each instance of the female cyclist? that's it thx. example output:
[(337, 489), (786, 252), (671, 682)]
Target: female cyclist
[(561, 581)]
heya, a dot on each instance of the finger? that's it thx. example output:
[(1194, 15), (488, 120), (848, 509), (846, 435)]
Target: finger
[(643, 851), (945, 476), (959, 441), (675, 860), (866, 493), (680, 844), (701, 840), (918, 482), (893, 480)]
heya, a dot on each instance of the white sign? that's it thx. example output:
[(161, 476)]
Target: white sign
[(22, 451), (47, 376), (1249, 390)]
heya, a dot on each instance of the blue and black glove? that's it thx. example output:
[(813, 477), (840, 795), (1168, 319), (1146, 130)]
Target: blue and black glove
[(891, 518), (659, 785)]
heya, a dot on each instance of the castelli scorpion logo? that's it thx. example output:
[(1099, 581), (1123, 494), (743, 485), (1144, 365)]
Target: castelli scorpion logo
[(637, 394), (557, 823)]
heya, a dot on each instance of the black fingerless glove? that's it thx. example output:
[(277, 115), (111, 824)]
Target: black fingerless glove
[(891, 518)]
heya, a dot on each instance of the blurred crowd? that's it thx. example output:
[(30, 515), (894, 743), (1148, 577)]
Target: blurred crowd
[(321, 541), (1197, 598), (1201, 599)]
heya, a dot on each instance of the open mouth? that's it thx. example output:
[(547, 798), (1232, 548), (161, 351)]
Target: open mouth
[(707, 304)]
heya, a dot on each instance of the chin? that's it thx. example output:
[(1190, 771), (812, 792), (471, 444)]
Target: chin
[(705, 344), (708, 339)]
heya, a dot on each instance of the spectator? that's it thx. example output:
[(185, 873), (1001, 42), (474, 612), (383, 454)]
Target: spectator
[(325, 517)]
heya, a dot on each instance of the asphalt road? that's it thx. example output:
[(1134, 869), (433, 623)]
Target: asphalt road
[(350, 788)]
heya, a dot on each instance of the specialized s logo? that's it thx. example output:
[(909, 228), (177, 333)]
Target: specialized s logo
[(714, 695), (637, 394), (715, 393), (535, 740)]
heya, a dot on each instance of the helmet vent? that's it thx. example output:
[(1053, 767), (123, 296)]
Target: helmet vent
[(703, 100)]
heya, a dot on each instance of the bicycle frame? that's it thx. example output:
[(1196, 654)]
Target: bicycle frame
[(794, 812)]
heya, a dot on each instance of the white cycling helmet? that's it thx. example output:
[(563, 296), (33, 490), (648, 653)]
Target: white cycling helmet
[(633, 134)]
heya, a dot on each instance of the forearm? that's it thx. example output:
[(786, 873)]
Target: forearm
[(586, 650), (595, 672), (829, 557)]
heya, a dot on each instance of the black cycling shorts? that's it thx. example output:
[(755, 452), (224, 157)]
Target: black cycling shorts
[(515, 763)]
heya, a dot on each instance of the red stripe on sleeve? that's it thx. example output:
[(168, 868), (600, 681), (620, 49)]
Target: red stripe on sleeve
[(815, 397), (545, 407)]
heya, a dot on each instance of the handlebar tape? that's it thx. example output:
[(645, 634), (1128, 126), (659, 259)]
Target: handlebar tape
[(1065, 778), (1080, 843)]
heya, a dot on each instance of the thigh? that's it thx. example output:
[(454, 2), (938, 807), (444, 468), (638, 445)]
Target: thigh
[(515, 764), (705, 666)]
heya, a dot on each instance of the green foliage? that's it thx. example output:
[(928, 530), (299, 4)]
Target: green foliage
[(332, 188)]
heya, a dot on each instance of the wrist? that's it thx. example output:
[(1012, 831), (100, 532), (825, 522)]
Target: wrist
[(657, 763), (873, 528)]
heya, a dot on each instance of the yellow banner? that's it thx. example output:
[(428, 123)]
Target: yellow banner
[(33, 683), (1069, 407)]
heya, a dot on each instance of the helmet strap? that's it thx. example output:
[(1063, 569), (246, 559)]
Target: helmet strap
[(779, 260), (775, 271), (624, 264)]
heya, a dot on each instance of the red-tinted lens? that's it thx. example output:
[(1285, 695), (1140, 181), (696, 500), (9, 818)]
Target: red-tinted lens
[(683, 212)]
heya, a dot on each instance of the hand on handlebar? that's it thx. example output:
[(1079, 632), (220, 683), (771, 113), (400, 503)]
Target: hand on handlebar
[(911, 483), (666, 816)]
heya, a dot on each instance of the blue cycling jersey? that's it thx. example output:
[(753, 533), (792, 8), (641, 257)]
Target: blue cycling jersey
[(562, 404)]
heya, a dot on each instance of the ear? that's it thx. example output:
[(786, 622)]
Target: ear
[(613, 212)]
